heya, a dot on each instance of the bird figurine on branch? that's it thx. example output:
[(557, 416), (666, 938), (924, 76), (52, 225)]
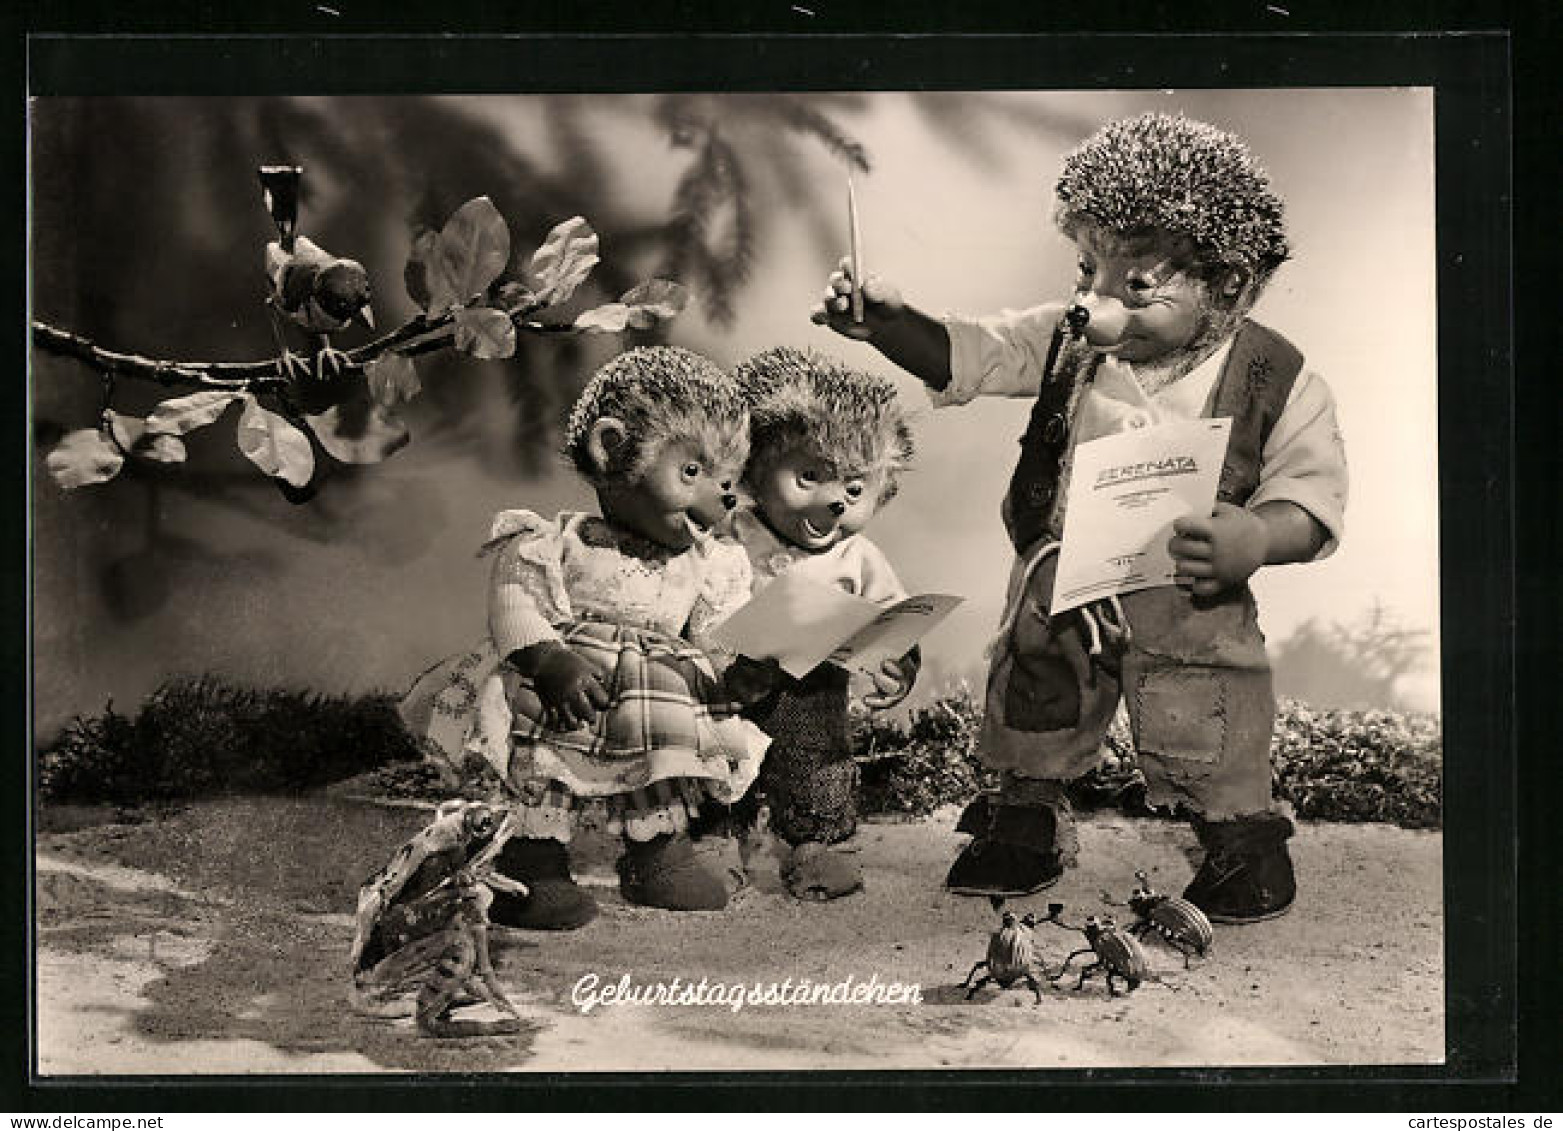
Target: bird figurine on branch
[(315, 290)]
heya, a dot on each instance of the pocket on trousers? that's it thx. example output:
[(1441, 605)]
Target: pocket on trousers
[(1041, 693), (1181, 713)]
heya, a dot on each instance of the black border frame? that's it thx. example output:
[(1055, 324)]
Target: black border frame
[(1495, 1044)]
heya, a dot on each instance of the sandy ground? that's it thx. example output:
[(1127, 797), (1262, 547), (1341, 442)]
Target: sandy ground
[(215, 940)]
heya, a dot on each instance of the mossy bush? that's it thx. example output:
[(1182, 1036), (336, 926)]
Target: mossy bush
[(426, 780), (1360, 765), (1382, 766), (908, 769), (201, 737)]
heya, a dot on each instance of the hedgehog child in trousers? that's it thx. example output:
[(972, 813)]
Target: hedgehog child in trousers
[(1176, 230), (591, 696), (827, 445)]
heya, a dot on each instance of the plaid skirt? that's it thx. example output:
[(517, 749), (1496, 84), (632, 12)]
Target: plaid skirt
[(668, 742)]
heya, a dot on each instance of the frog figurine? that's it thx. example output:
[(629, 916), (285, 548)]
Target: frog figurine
[(422, 924)]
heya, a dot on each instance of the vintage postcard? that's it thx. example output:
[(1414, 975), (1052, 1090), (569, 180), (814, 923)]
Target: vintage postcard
[(297, 360)]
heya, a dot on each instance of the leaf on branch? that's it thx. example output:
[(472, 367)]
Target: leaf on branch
[(468, 254), (513, 297), (485, 332), (416, 274), (392, 379), (163, 448), (82, 458), (185, 414), (126, 431), (135, 436), (563, 262), (607, 319), (274, 445), (641, 308), (360, 431), (655, 300)]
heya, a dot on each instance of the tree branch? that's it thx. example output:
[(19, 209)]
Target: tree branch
[(418, 335), (235, 376)]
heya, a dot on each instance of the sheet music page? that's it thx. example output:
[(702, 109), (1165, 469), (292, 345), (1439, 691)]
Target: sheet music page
[(1125, 492)]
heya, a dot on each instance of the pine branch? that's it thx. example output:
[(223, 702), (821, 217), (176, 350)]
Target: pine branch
[(739, 257), (716, 178), (800, 116)]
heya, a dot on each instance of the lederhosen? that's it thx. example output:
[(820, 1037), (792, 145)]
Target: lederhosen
[(1193, 670)]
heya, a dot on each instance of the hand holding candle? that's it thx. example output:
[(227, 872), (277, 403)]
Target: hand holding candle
[(857, 328), (857, 304)]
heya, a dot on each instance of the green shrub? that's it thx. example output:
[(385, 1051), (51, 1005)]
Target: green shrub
[(910, 769), (1330, 765), (199, 737), (426, 781), (90, 761), (1359, 765)]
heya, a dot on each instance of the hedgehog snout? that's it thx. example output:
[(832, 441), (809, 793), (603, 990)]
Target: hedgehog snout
[(1104, 321)]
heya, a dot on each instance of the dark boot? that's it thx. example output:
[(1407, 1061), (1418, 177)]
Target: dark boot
[(1015, 850), (555, 901), (1247, 874), (818, 872), (678, 873)]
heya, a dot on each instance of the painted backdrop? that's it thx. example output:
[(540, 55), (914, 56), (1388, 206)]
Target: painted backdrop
[(148, 233)]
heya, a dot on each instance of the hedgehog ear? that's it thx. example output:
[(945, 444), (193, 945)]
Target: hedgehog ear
[(607, 437)]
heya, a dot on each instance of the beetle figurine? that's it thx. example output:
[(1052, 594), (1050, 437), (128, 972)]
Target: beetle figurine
[(1012, 956), (1117, 953), (423, 924), (1176, 921)]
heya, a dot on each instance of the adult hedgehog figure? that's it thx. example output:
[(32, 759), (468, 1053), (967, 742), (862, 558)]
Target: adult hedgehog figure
[(591, 696), (827, 446), (1177, 230)]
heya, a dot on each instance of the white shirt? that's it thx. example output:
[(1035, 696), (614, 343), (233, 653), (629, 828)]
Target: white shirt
[(1303, 460), (854, 564)]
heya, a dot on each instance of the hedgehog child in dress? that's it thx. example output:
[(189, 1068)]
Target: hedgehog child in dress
[(827, 444), (591, 696), (1176, 231)]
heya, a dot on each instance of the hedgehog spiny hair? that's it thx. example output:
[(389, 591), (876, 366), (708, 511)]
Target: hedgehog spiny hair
[(659, 393), (851, 419), (1166, 175)]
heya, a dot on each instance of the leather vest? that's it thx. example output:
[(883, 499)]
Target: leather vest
[(1252, 389)]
